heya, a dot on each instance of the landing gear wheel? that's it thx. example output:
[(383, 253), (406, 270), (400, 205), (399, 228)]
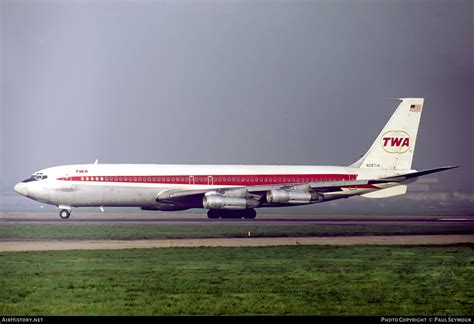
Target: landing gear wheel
[(64, 214), (212, 214), (235, 214), (250, 214)]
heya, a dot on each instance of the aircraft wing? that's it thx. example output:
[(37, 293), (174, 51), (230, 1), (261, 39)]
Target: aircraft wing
[(184, 196), (179, 195)]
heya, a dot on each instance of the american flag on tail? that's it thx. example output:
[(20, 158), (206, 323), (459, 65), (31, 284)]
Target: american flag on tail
[(415, 108)]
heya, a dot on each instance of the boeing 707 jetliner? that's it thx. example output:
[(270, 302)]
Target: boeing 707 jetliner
[(234, 191)]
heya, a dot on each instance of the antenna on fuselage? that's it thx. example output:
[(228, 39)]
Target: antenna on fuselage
[(96, 161)]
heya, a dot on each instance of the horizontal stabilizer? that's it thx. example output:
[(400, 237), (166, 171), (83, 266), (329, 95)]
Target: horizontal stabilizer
[(412, 175), (389, 192)]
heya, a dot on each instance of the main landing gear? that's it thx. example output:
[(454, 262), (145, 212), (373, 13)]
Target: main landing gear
[(222, 213), (64, 213)]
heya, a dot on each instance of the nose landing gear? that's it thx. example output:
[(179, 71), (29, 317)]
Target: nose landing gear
[(64, 213)]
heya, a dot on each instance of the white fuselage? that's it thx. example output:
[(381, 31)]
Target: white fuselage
[(140, 184)]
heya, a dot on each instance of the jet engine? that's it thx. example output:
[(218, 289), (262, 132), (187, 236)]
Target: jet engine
[(226, 202), (232, 192), (280, 196)]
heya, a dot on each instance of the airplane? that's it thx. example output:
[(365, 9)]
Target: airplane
[(235, 191)]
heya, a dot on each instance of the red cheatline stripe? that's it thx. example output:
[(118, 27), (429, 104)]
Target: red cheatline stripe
[(246, 180)]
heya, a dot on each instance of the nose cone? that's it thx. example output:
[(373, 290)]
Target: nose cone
[(22, 188)]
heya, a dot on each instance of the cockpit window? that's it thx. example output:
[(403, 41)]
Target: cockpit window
[(36, 177), (32, 178)]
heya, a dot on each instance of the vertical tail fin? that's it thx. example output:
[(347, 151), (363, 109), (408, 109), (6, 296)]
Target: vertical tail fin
[(394, 147)]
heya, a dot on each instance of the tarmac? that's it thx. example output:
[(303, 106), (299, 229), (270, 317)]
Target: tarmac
[(186, 219)]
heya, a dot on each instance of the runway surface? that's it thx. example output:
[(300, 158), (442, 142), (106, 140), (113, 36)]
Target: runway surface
[(50, 245), (8, 218), (187, 219)]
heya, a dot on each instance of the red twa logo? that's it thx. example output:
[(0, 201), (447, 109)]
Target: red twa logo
[(395, 142)]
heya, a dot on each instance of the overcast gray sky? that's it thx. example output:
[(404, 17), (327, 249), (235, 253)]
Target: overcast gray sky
[(244, 82)]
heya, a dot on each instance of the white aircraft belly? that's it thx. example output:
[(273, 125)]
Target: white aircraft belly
[(112, 195)]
